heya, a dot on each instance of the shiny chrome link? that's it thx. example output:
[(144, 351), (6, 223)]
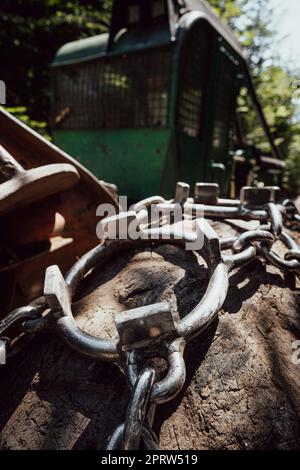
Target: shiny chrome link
[(207, 309), (28, 319), (137, 409), (86, 344), (227, 242), (290, 207), (135, 432), (275, 260), (18, 316), (292, 213), (254, 235), (276, 219), (292, 255), (148, 439), (116, 439), (57, 295), (227, 212), (290, 263), (229, 202), (289, 241), (34, 326), (167, 388), (146, 203), (240, 259)]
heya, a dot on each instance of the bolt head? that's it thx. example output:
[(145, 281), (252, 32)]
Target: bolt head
[(207, 193), (259, 196)]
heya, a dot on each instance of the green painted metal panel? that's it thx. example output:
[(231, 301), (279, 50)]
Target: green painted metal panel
[(192, 161), (145, 38), (81, 50), (96, 46), (135, 160)]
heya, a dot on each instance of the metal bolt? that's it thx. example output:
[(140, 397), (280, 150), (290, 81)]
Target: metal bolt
[(276, 193), (207, 193), (211, 242), (56, 291), (182, 193), (140, 326), (259, 196)]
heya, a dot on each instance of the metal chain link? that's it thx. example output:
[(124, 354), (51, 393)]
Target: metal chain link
[(135, 432)]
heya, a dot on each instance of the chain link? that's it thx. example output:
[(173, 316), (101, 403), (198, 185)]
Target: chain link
[(135, 432)]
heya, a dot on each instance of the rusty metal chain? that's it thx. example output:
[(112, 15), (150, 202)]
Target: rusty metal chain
[(155, 331)]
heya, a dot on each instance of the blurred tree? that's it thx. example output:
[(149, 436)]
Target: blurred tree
[(31, 31), (274, 84)]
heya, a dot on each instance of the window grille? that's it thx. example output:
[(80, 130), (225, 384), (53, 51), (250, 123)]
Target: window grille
[(127, 91), (224, 106), (194, 74)]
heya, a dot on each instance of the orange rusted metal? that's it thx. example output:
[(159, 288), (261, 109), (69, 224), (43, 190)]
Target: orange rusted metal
[(57, 229)]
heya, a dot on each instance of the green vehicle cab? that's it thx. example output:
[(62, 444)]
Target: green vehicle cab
[(154, 101)]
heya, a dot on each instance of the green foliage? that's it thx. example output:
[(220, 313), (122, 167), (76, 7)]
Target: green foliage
[(229, 10), (21, 113), (275, 93), (31, 31), (293, 164)]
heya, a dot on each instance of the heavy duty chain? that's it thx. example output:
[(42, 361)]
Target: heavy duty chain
[(155, 331)]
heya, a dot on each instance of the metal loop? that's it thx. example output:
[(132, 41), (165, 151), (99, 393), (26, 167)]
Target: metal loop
[(18, 316), (148, 439), (226, 212), (116, 439), (137, 409), (276, 219), (251, 236), (146, 203), (292, 255), (34, 326), (60, 293), (275, 260), (290, 208), (205, 312), (167, 388), (289, 241), (240, 259), (227, 242)]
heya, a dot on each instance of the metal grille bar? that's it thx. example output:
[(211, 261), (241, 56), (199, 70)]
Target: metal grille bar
[(127, 91)]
